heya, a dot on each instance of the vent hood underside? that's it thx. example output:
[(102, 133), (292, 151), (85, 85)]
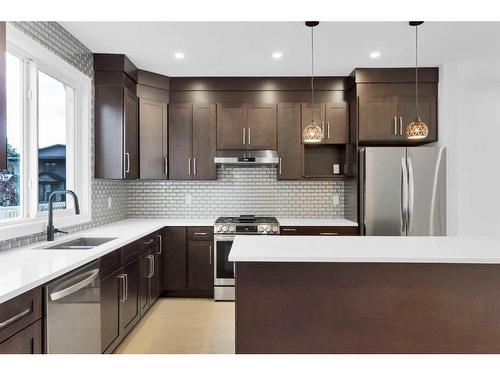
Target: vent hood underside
[(246, 158)]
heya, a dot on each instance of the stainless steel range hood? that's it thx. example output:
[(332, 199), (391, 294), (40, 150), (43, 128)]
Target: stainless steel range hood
[(246, 158)]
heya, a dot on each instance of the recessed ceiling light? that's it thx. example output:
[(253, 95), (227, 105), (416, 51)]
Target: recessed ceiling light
[(277, 55), (179, 55), (375, 54)]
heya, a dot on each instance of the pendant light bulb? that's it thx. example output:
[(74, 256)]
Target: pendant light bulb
[(417, 129), (312, 133)]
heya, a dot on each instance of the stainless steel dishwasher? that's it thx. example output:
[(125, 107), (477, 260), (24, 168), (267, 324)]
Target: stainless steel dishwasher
[(73, 312)]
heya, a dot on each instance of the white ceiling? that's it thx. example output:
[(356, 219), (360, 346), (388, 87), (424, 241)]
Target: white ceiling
[(245, 48)]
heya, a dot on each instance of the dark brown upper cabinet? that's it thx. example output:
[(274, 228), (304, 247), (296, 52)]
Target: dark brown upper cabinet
[(192, 141), (246, 126), (333, 119), (385, 102), (3, 100), (289, 142), (152, 90), (261, 126), (231, 126), (116, 120)]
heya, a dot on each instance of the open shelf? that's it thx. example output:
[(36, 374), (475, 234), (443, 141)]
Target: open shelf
[(319, 161)]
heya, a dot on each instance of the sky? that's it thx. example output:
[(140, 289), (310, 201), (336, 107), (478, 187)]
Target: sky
[(51, 107)]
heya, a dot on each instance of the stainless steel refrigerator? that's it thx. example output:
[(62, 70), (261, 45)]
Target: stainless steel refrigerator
[(403, 191)]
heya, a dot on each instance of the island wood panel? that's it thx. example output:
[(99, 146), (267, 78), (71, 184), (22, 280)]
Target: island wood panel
[(367, 308)]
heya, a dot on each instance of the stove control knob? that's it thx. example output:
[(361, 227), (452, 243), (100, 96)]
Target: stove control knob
[(218, 228), (268, 229), (232, 229), (260, 229), (224, 229), (275, 229)]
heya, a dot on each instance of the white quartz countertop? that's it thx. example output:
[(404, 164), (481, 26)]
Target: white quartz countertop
[(365, 249), (25, 268), (317, 223)]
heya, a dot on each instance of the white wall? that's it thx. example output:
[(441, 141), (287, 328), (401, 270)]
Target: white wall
[(469, 126)]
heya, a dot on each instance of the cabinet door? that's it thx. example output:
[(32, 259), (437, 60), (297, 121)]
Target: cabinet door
[(180, 141), (111, 287), (231, 126), (289, 141), (200, 265), (261, 126), (176, 258), (317, 113), (129, 305), (27, 341), (131, 124), (336, 123), (153, 139), (377, 119), (144, 283), (204, 141), (427, 112)]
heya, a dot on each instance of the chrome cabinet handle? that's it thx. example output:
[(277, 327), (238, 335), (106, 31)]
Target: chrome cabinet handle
[(149, 242), (127, 157), (161, 246), (328, 234), (210, 255), (400, 125), (395, 126), (244, 133), (189, 166), (248, 135), (289, 229), (165, 160), (126, 286), (75, 287), (122, 289), (280, 165), (194, 166), (15, 318), (404, 195), (323, 126), (328, 129), (411, 194), (152, 265), (200, 233)]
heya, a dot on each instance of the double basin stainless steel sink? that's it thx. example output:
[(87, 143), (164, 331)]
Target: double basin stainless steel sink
[(82, 243)]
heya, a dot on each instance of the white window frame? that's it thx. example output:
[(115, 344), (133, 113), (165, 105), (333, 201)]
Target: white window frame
[(78, 137)]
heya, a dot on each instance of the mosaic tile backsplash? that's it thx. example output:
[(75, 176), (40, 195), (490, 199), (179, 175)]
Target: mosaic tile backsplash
[(236, 190)]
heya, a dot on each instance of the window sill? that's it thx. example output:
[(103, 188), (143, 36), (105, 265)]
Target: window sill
[(39, 225)]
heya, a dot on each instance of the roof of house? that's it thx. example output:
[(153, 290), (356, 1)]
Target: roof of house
[(52, 152)]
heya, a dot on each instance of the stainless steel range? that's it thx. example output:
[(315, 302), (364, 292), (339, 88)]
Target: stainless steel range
[(225, 229)]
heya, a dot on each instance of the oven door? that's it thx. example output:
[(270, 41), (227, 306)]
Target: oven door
[(223, 268)]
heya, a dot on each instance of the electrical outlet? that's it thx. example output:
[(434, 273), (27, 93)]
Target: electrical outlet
[(189, 200), (110, 202), (336, 200)]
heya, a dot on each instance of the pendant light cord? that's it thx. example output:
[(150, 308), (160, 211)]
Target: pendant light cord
[(416, 71), (312, 74)]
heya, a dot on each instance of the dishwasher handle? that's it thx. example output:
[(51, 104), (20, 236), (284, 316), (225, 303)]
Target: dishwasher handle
[(92, 276)]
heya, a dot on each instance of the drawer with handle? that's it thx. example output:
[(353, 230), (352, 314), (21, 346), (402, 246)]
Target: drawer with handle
[(19, 312), (109, 263), (328, 231), (289, 231), (200, 233)]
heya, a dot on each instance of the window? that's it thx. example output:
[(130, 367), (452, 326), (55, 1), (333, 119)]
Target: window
[(48, 136)]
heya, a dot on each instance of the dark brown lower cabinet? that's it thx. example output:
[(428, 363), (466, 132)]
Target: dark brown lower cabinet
[(200, 265), (149, 281), (189, 261), (27, 341), (110, 310), (129, 307)]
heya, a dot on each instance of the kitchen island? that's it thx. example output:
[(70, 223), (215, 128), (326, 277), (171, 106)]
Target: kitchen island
[(367, 294)]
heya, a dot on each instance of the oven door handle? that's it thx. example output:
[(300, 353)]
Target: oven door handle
[(223, 237)]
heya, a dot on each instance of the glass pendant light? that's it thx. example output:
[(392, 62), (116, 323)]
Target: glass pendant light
[(312, 133), (417, 129)]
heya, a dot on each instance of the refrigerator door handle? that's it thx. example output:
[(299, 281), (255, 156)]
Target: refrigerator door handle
[(411, 194), (404, 195)]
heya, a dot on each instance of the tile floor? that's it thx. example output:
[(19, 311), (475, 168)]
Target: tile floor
[(183, 326)]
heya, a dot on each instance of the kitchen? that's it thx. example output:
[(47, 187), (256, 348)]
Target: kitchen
[(148, 188)]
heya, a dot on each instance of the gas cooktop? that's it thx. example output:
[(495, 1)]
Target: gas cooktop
[(246, 219), (247, 224)]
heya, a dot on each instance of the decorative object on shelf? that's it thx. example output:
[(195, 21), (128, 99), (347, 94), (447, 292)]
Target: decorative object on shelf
[(417, 129), (312, 133)]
